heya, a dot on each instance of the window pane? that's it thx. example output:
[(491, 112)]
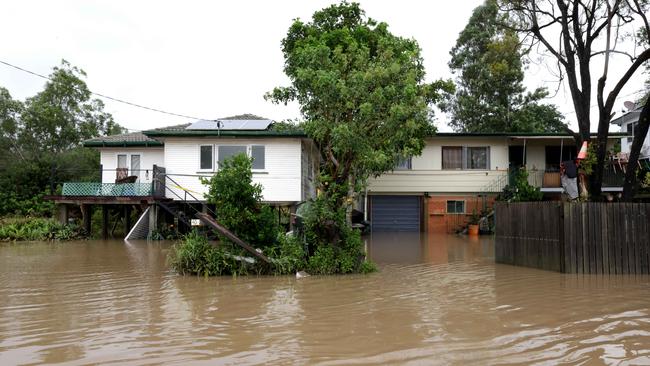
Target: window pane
[(403, 164), (477, 158), (206, 157), (121, 161), (257, 152), (135, 165), (452, 157), (456, 207), (226, 152)]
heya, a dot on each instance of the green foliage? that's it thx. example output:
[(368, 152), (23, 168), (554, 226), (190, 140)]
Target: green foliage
[(195, 255), (40, 141), (490, 95), (34, 228), (520, 190), (288, 255), (238, 202), (362, 93)]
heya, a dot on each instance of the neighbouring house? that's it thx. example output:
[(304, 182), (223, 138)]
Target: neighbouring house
[(628, 122), (456, 175), (459, 174)]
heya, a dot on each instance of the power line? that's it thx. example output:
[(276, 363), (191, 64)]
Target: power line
[(106, 96)]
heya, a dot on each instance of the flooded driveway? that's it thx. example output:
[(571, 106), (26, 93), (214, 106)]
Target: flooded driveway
[(436, 300)]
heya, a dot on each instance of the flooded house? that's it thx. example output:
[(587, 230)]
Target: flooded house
[(158, 172), (460, 174)]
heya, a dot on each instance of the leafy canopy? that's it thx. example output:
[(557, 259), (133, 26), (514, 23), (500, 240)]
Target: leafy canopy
[(490, 94), (40, 140), (360, 88)]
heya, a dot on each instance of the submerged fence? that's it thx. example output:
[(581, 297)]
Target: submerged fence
[(589, 238)]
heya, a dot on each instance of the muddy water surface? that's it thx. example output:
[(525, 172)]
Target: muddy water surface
[(436, 300)]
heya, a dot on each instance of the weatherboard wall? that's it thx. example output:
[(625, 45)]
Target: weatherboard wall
[(149, 156), (280, 179), (427, 174)]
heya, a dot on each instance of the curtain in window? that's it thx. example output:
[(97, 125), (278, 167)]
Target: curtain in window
[(477, 158), (135, 165), (206, 157), (452, 157), (257, 153)]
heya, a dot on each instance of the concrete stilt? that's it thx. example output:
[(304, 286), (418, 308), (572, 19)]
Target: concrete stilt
[(87, 213), (105, 216), (127, 219)]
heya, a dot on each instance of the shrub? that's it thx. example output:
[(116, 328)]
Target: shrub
[(35, 228), (239, 203), (521, 190)]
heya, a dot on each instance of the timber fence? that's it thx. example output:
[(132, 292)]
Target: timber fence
[(587, 238)]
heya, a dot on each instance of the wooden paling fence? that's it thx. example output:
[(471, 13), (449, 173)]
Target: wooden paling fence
[(589, 238)]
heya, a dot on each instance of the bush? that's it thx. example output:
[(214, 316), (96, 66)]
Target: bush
[(32, 229), (239, 203), (521, 190), (195, 255)]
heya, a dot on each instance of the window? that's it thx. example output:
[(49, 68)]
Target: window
[(456, 207), (205, 157), (257, 153), (403, 164), (464, 157), (121, 161), (228, 151), (630, 132), (135, 165), (452, 157), (477, 158)]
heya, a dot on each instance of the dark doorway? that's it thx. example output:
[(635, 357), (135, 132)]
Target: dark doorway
[(516, 157), (557, 154)]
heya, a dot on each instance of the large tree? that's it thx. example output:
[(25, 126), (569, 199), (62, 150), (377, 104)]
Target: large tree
[(490, 95), (362, 94), (574, 33), (40, 138)]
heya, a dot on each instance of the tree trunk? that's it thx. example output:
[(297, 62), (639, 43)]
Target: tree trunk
[(351, 197), (596, 178), (640, 133)]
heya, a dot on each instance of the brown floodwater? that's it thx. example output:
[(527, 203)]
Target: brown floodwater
[(436, 300)]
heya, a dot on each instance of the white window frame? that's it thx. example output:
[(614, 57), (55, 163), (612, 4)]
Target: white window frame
[(215, 156), (128, 162), (456, 213), (250, 155), (465, 156), (198, 152)]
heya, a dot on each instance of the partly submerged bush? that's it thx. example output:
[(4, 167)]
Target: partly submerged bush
[(521, 190), (195, 255), (239, 203), (36, 228)]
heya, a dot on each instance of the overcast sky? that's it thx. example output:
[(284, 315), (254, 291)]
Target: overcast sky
[(206, 59)]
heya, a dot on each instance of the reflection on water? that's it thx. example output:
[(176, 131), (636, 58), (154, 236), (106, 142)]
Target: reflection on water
[(436, 300)]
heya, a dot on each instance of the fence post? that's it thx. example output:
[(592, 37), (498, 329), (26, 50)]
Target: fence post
[(561, 238)]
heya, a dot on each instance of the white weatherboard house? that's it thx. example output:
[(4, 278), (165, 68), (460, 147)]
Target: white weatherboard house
[(283, 161), (628, 122), (456, 175)]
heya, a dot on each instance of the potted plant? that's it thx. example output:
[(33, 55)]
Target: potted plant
[(472, 227)]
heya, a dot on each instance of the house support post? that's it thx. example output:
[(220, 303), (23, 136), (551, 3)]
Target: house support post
[(64, 213), (87, 213), (153, 219), (105, 216), (127, 219)]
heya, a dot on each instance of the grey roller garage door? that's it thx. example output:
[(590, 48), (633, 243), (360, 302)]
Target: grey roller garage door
[(395, 213)]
